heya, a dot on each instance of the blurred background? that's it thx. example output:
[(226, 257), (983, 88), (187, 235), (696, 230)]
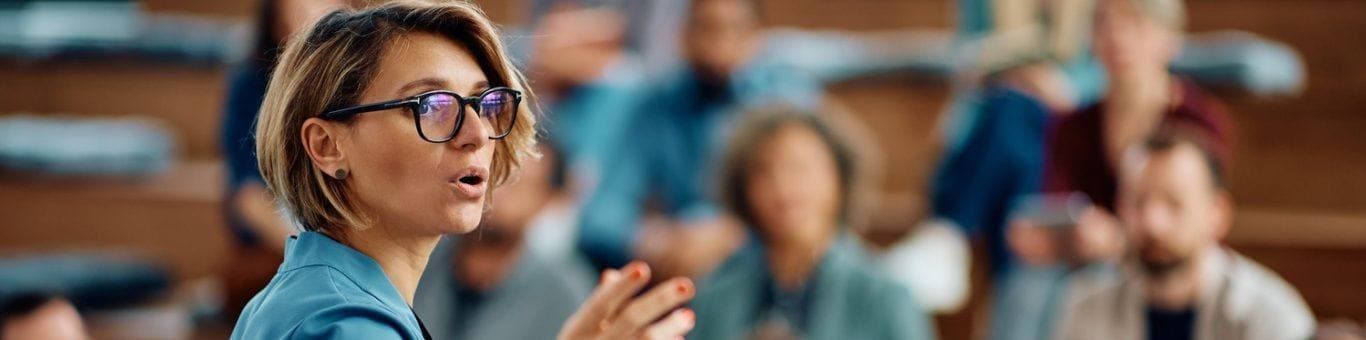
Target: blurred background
[(117, 192)]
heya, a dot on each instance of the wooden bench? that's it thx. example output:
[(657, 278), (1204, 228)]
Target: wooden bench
[(174, 217)]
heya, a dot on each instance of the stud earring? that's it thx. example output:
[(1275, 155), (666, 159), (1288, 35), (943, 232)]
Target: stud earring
[(341, 174)]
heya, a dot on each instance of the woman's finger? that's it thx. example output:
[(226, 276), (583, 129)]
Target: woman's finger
[(585, 320), (672, 327), (617, 287), (647, 308)]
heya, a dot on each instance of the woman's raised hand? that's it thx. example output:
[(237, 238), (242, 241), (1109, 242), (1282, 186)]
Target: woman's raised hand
[(614, 311)]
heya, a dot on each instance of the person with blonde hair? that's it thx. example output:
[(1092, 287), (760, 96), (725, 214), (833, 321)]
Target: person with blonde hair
[(383, 129)]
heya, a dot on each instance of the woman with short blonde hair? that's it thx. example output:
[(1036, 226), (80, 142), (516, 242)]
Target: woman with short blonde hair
[(383, 129), (309, 82)]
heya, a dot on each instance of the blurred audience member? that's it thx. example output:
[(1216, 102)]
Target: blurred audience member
[(1136, 40), (792, 178), (1027, 62), (474, 282), (590, 86), (660, 164), (257, 225), (979, 183), (1018, 148), (40, 316), (999, 161), (1178, 281)]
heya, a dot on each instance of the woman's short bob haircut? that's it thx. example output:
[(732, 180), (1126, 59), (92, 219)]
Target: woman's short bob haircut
[(331, 66), (852, 156)]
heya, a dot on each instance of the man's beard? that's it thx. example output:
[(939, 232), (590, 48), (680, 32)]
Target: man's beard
[(1162, 267)]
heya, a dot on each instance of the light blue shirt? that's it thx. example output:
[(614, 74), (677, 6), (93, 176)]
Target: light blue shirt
[(326, 290)]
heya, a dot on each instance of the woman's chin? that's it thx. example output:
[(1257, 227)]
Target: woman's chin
[(463, 219)]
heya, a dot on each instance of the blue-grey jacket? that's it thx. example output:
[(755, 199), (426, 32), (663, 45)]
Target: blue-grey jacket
[(847, 299)]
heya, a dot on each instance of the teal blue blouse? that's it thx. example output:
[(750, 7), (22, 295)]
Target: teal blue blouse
[(326, 290)]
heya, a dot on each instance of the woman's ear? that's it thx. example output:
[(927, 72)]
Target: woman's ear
[(320, 141), (1223, 211)]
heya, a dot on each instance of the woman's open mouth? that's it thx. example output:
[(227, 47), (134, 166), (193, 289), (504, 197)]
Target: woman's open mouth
[(471, 182)]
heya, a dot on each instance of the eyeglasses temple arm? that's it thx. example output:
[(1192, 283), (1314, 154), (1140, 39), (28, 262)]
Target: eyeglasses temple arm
[(355, 110)]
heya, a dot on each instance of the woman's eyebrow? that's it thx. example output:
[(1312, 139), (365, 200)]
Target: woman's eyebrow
[(478, 88), (431, 82)]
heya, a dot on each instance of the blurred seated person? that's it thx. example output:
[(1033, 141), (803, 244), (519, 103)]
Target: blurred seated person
[(980, 184), (1025, 149), (589, 84), (791, 177), (1029, 64), (651, 202), (1178, 281), (39, 316), (252, 215), (999, 161), (979, 187), (475, 281), (1135, 40)]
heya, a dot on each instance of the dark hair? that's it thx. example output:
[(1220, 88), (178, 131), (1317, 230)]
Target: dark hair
[(1169, 136), (760, 127)]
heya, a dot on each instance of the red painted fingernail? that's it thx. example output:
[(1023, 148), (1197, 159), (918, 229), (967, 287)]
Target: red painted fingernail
[(683, 288), (637, 272)]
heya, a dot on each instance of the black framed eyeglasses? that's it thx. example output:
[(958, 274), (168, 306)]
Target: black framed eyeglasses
[(438, 115)]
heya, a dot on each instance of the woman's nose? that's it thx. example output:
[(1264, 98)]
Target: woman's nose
[(473, 135)]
